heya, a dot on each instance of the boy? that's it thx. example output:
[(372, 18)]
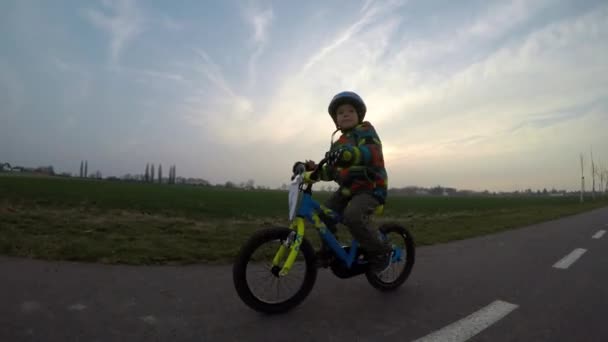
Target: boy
[(356, 163)]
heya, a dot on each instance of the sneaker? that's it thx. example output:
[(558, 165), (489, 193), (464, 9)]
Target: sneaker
[(380, 263)]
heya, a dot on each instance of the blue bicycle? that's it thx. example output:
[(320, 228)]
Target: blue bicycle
[(276, 267)]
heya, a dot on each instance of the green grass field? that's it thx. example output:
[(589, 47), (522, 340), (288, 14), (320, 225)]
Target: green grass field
[(136, 223)]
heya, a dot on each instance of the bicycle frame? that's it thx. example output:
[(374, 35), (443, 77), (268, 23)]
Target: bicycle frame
[(308, 210)]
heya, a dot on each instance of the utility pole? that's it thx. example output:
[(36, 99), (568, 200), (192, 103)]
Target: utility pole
[(582, 180), (606, 186), (600, 173), (592, 175)]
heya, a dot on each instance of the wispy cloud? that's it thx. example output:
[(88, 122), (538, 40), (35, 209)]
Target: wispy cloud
[(369, 15), (502, 17), (217, 108), (213, 72), (123, 24), (260, 21), (366, 5), (147, 73)]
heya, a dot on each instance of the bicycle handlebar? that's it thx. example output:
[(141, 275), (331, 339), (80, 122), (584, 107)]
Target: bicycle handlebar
[(300, 168), (315, 173)]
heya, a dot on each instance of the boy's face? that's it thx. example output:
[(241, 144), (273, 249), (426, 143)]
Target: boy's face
[(347, 117)]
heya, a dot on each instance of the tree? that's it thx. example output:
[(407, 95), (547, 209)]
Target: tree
[(172, 175), (152, 173), (86, 168), (160, 174)]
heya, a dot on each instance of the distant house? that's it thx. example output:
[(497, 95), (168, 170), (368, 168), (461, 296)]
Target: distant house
[(557, 194), (44, 170), (5, 167)]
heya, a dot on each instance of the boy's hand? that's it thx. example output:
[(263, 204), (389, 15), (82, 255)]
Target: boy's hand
[(301, 167), (308, 165), (311, 177), (339, 157)]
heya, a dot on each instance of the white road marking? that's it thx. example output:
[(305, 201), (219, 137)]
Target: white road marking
[(149, 319), (77, 307), (471, 325), (569, 259), (599, 234)]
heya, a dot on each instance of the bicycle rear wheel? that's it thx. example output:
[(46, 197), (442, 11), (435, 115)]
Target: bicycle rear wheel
[(403, 262), (258, 282)]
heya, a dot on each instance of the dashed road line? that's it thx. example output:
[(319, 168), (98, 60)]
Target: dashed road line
[(151, 320), (471, 325), (77, 307), (570, 259), (599, 234)]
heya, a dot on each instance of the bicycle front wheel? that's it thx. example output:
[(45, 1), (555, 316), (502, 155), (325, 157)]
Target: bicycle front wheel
[(259, 284)]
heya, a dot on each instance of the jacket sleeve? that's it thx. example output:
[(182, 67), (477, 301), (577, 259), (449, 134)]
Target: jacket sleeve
[(367, 152), (326, 173)]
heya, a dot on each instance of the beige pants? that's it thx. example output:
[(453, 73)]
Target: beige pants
[(357, 212)]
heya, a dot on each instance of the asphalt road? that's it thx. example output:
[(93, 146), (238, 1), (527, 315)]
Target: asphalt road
[(502, 287)]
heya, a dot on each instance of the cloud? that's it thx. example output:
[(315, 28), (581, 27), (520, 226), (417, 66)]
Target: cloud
[(370, 15), (218, 109), (301, 98), (123, 25), (366, 5), (260, 21), (213, 72), (502, 17), (146, 74)]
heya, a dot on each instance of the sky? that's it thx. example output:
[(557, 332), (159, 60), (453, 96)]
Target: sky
[(496, 95)]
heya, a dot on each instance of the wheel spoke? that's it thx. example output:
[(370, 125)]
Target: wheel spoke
[(273, 289)]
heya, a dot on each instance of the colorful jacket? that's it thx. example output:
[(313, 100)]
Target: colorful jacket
[(364, 171)]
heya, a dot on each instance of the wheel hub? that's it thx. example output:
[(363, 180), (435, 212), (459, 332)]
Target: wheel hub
[(275, 271)]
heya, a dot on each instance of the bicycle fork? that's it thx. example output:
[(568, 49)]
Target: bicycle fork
[(291, 247)]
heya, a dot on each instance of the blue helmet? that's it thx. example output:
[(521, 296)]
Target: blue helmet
[(347, 97)]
